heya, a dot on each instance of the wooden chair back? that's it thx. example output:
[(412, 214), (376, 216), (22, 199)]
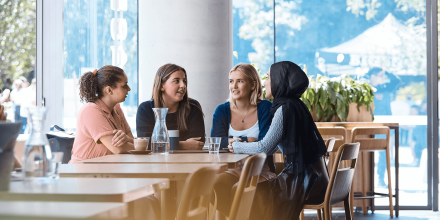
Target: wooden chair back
[(339, 133), (330, 144), (247, 185), (341, 178), (366, 137), (196, 194)]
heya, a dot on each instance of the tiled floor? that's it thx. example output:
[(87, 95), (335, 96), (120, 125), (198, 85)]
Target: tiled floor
[(382, 215)]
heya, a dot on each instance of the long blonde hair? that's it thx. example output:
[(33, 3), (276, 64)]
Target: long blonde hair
[(252, 74)]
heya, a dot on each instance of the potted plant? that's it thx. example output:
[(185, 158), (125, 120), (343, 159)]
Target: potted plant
[(338, 98)]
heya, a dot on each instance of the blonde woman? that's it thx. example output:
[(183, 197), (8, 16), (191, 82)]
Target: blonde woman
[(244, 116)]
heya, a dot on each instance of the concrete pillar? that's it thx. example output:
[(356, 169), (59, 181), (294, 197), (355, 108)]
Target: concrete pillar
[(195, 34)]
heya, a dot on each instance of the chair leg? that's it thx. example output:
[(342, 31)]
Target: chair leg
[(347, 209), (318, 212), (364, 190), (327, 212), (220, 216), (301, 216), (352, 200), (390, 190)]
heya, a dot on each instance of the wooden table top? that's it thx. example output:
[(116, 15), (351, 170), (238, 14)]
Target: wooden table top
[(84, 190), (169, 171), (61, 210), (354, 124), (233, 160)]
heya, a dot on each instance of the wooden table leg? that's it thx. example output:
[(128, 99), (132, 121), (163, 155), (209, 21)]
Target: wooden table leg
[(130, 210), (168, 202)]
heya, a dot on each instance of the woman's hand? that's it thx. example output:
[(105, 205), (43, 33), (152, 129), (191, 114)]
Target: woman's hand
[(252, 139), (119, 138), (232, 140), (191, 144), (231, 149)]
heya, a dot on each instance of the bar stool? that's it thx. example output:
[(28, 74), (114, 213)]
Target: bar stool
[(365, 136), (339, 133)]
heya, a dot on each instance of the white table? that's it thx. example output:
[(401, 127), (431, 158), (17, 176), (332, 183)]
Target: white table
[(233, 160), (61, 210), (86, 190), (176, 173)]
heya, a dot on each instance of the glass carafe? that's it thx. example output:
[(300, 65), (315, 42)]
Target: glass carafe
[(160, 141), (37, 153)]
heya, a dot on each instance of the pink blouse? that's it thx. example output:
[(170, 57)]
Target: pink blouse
[(93, 122)]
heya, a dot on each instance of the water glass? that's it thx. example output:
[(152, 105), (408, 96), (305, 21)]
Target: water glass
[(55, 163), (141, 143), (214, 144)]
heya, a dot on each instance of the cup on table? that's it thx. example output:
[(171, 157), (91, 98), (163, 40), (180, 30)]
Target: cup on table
[(174, 139), (141, 143), (206, 146), (55, 163), (214, 144)]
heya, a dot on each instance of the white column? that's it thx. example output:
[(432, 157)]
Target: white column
[(50, 60), (194, 34)]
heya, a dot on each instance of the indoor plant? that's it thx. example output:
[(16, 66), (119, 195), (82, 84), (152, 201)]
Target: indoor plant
[(329, 99)]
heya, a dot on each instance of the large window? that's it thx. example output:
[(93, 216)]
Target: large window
[(98, 33), (381, 41), (17, 59)]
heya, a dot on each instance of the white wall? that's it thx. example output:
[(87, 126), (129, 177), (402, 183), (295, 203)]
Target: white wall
[(195, 34)]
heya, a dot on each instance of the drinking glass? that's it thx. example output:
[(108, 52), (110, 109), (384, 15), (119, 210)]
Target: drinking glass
[(141, 143), (214, 144), (55, 163)]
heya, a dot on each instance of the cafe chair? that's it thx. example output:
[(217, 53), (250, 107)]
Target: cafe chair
[(366, 137), (339, 133), (278, 159), (61, 141), (329, 144), (247, 185), (196, 194), (339, 186)]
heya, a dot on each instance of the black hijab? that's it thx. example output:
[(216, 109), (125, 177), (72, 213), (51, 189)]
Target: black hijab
[(301, 140)]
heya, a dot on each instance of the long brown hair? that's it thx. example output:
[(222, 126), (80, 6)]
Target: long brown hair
[(162, 75), (91, 85)]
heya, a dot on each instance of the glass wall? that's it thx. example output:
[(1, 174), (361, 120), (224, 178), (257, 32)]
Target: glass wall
[(17, 59), (98, 33), (253, 33), (383, 42)]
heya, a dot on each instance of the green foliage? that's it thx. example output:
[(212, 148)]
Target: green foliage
[(331, 96), (17, 39)]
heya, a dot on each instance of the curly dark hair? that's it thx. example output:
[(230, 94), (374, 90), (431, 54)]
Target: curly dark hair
[(91, 86)]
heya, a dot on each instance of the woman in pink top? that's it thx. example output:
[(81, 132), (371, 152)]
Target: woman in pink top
[(101, 126)]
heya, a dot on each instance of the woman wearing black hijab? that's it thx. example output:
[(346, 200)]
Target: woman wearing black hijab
[(294, 132)]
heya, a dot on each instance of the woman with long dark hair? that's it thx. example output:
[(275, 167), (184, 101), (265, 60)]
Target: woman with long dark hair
[(293, 131), (184, 114), (101, 125)]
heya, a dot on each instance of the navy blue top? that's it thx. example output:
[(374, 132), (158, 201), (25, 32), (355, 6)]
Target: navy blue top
[(222, 119), (145, 121)]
